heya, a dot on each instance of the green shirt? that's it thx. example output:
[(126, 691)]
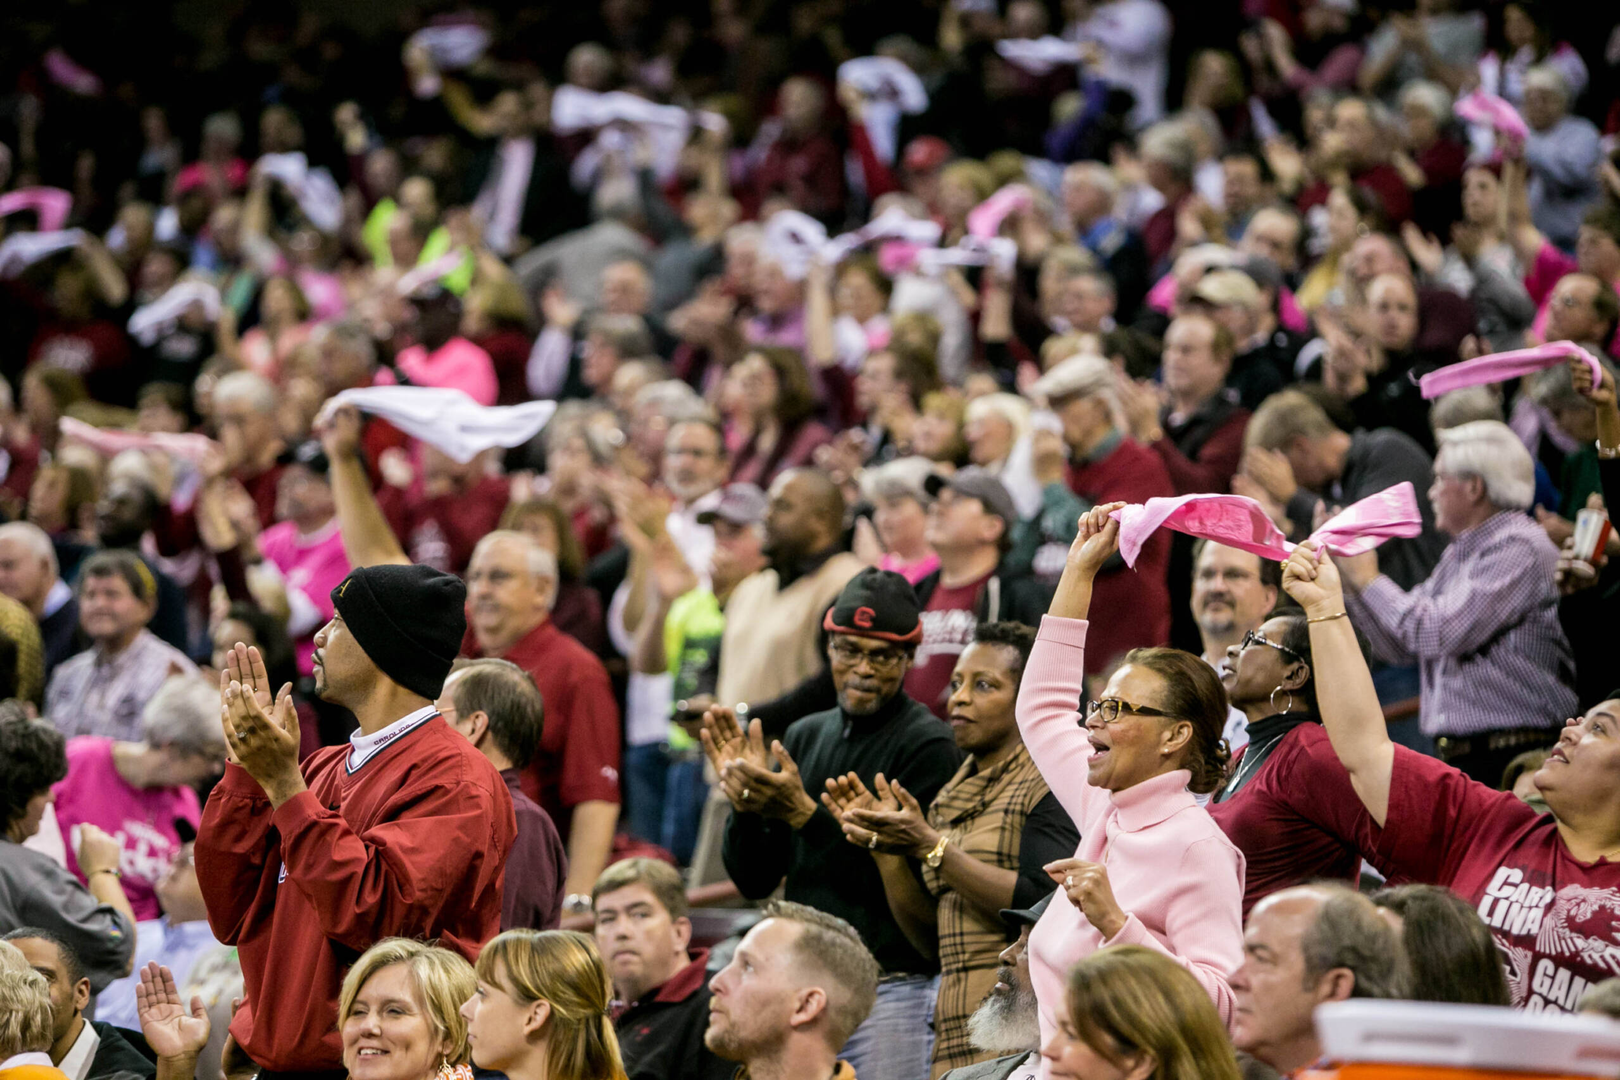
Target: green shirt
[(692, 633)]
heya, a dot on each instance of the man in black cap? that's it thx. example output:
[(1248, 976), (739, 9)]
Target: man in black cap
[(404, 832), (1008, 1020), (969, 526), (778, 829)]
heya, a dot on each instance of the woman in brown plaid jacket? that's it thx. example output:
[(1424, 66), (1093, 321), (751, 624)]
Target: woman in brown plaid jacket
[(981, 844)]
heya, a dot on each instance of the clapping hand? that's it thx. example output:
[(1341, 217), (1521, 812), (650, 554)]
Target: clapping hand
[(895, 822), (171, 1031), (261, 733)]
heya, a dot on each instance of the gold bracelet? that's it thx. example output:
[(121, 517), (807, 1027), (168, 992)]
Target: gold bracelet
[(1327, 618)]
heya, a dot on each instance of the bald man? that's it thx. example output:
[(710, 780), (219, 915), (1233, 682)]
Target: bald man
[(772, 641)]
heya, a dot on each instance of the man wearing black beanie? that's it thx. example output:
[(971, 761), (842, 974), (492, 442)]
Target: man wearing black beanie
[(402, 833), (780, 832)]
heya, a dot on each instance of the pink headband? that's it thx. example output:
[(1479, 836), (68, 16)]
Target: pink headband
[(1496, 367), (1238, 521)]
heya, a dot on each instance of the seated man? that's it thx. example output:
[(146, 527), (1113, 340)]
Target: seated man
[(660, 986), (799, 984), (496, 705), (1304, 947), (83, 1049), (29, 575), (1483, 654), (1008, 1021)]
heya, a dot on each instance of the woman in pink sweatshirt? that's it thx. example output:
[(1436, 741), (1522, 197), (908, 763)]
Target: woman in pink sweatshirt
[(1152, 868)]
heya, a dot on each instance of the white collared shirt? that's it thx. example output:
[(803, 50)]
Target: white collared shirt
[(58, 595), (77, 1062), (366, 747)]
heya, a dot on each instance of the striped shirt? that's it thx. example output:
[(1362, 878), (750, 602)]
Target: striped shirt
[(97, 694), (1483, 630)]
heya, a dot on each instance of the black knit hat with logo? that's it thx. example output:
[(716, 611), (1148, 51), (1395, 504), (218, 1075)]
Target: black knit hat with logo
[(876, 604), (409, 620)]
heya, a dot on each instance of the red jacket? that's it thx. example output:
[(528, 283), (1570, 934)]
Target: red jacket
[(412, 843)]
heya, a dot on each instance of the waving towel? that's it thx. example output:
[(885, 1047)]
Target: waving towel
[(451, 46), (1478, 107), (153, 320), (888, 88), (23, 250), (1038, 56), (450, 419), (984, 220), (314, 190), (1238, 521), (187, 447), (998, 251), (1495, 367), (52, 205)]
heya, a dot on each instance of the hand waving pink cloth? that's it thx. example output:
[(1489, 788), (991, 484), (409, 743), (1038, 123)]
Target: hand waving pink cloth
[(1478, 107), (187, 447), (51, 204), (1495, 367), (1238, 521), (984, 220)]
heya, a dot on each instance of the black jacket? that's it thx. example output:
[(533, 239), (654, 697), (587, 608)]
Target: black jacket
[(116, 1054), (661, 1035), (901, 740)]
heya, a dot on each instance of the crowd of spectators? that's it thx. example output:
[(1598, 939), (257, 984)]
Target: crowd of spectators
[(587, 543)]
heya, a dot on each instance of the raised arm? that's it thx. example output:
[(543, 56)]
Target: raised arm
[(1349, 704), (367, 539)]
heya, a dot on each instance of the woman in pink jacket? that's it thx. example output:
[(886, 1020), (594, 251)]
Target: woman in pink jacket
[(1152, 868)]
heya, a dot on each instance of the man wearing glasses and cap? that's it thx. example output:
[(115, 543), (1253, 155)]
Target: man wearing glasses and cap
[(780, 831)]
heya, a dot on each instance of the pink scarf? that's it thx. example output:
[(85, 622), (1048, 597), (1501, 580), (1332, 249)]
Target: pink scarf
[(51, 204), (187, 447), (1478, 107), (984, 220), (1496, 367), (1238, 521)]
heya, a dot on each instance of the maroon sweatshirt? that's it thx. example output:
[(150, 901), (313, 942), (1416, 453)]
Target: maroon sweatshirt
[(411, 842)]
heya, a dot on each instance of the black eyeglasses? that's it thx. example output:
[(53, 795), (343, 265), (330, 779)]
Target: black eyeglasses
[(882, 660), (1110, 708), (1255, 637)]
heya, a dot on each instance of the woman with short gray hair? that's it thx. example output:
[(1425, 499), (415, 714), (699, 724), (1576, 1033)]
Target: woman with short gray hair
[(139, 790)]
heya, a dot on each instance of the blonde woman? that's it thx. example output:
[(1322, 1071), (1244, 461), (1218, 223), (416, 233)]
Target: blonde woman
[(398, 1015), (25, 1019), (1136, 1014), (540, 1008)]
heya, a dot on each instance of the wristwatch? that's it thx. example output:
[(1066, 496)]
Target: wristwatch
[(576, 904), (1607, 453), (937, 856)]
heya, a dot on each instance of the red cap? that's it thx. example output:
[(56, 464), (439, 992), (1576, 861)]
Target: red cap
[(926, 153)]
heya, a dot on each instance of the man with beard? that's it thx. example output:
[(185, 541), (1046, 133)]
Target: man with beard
[(779, 831), (800, 981), (404, 832), (1008, 1019), (1232, 592)]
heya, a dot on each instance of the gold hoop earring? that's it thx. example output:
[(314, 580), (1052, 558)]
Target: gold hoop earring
[(1273, 700)]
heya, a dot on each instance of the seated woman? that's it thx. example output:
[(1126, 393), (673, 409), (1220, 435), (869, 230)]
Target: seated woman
[(1275, 805), (1152, 868), (540, 1010), (983, 842), (770, 421), (398, 1014), (1132, 1012), (1542, 882), (1450, 954)]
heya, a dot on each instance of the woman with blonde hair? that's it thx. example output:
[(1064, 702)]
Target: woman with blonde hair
[(1135, 1013), (540, 1008)]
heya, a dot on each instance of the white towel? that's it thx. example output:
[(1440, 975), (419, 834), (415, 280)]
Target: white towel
[(889, 88), (794, 239), (449, 419), (998, 251), (451, 47), (23, 250), (1038, 56), (314, 190), (153, 320)]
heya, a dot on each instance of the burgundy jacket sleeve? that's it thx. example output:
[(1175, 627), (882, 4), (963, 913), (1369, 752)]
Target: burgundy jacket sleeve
[(437, 842), (234, 844)]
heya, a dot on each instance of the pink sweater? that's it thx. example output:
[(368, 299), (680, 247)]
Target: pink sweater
[(1174, 873)]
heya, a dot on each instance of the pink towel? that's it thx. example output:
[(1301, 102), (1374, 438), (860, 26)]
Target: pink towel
[(1238, 521), (1495, 367), (51, 204), (1479, 107), (187, 447), (984, 220)]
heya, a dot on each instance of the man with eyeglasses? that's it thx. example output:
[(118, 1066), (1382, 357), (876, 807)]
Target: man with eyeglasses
[(780, 831), (1232, 591)]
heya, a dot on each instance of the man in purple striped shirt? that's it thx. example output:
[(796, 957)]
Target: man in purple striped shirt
[(1497, 673)]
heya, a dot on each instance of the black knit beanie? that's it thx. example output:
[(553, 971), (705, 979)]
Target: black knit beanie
[(409, 620)]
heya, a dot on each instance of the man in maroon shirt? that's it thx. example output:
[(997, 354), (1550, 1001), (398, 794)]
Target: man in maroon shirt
[(802, 163), (496, 705), (245, 407), (402, 833), (511, 583), (1357, 144), (660, 986)]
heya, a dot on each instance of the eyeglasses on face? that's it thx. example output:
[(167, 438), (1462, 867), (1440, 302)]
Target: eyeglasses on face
[(882, 660), (1255, 637), (1110, 708)]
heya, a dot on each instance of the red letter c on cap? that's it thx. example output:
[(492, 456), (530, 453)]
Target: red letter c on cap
[(864, 617)]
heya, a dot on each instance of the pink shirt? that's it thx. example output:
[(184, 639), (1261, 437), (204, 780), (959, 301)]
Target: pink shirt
[(312, 566), (457, 364), (141, 819), (1174, 873)]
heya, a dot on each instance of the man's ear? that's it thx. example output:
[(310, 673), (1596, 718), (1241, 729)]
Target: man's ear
[(1336, 984), (683, 932), (477, 725), (812, 1003), (81, 995)]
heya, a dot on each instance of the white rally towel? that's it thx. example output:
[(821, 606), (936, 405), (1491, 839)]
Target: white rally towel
[(152, 321), (889, 88), (451, 47), (450, 419), (1000, 252), (795, 239), (23, 250), (1039, 56), (668, 127), (315, 191)]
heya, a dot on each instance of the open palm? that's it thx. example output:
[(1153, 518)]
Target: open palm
[(170, 1029)]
